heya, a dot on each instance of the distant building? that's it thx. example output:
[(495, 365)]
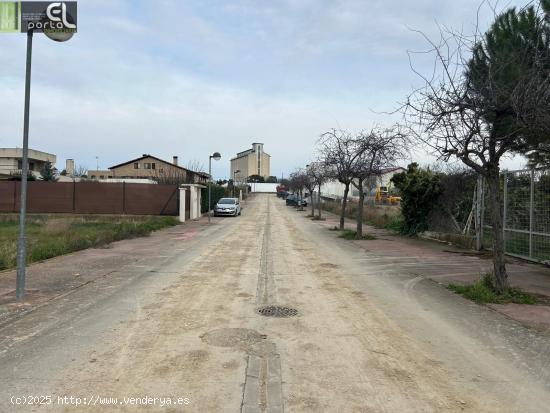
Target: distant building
[(100, 174), (335, 190), (11, 161), (150, 167), (251, 162)]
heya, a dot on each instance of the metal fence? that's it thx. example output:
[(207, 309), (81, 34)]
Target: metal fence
[(526, 213)]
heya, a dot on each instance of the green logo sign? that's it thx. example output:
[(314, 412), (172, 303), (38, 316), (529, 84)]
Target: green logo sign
[(10, 16)]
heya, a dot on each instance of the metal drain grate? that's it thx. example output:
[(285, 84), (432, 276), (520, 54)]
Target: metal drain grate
[(277, 311)]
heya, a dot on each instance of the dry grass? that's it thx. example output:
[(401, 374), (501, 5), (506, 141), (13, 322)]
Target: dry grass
[(49, 236), (381, 216)]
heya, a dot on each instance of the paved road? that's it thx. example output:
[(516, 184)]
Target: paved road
[(182, 322)]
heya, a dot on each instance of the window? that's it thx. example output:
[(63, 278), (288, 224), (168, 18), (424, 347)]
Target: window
[(153, 165), (146, 165), (30, 165), (136, 165)]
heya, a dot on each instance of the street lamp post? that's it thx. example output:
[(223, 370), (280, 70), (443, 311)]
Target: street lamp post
[(20, 280), (58, 36), (216, 156), (234, 178)]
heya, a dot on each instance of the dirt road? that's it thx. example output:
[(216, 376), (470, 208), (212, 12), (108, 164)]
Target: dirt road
[(183, 323)]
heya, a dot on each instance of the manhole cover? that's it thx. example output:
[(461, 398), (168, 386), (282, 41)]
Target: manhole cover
[(277, 311)]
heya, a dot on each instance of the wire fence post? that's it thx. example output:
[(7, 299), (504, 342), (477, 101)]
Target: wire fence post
[(531, 212), (505, 209), (479, 213), (124, 198)]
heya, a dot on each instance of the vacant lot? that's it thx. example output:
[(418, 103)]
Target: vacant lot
[(49, 236), (379, 215)]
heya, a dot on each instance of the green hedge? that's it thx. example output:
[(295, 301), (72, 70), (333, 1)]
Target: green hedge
[(218, 192)]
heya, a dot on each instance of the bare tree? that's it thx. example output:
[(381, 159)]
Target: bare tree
[(297, 183), (317, 176), (337, 151), (80, 171), (196, 166), (300, 180), (376, 150), (487, 96)]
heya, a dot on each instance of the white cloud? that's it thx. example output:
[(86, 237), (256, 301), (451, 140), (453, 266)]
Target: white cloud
[(187, 78)]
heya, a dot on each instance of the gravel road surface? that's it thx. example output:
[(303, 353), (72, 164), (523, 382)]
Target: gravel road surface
[(178, 330)]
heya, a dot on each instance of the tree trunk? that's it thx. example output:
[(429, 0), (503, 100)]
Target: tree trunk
[(319, 205), (344, 204), (360, 211), (311, 198), (499, 265)]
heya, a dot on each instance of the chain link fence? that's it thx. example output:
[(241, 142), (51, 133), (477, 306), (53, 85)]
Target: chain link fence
[(526, 213)]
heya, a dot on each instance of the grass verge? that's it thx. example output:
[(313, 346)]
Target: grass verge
[(49, 237), (352, 235), (483, 292)]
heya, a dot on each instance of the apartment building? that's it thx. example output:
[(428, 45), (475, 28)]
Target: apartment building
[(251, 162)]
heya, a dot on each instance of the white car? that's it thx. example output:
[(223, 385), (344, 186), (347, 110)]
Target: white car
[(227, 207)]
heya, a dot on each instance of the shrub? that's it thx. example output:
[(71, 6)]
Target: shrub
[(420, 190), (218, 192)]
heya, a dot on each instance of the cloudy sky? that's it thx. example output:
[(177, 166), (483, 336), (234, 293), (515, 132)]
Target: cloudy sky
[(186, 78)]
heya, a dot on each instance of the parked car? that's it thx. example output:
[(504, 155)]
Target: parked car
[(228, 207), (295, 200), (291, 200)]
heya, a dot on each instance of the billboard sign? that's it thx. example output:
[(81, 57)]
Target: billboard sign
[(38, 16)]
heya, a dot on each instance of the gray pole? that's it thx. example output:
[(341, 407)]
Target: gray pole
[(531, 212), (209, 187), (505, 209), (20, 282), (479, 226)]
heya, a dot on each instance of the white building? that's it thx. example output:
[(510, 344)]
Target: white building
[(11, 161), (335, 189)]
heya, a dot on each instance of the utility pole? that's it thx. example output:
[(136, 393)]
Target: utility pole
[(59, 36)]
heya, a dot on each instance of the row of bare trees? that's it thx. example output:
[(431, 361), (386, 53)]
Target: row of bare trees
[(356, 160), (487, 97)]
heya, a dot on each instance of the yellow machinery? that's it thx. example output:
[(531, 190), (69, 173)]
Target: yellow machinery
[(383, 196)]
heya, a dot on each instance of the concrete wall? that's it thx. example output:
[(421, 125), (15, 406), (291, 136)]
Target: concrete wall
[(195, 193), (335, 189), (263, 188)]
